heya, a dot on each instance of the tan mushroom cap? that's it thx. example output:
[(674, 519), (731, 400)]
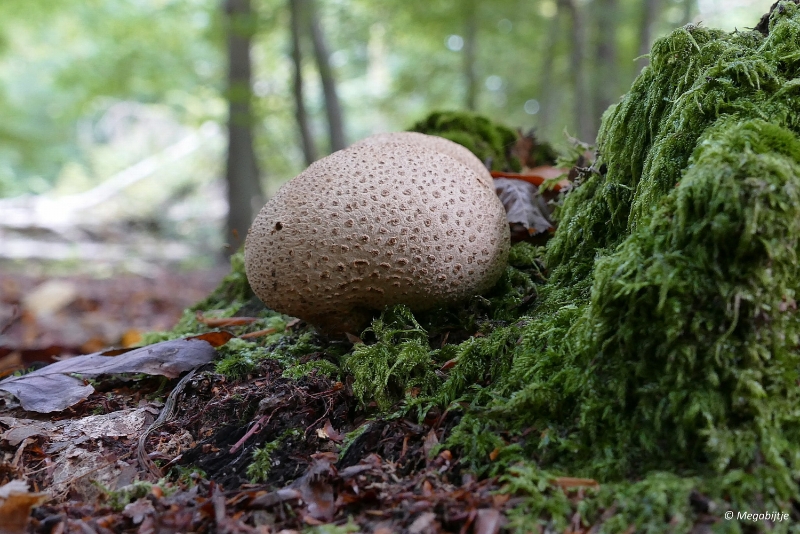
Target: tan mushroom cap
[(375, 225), (439, 144)]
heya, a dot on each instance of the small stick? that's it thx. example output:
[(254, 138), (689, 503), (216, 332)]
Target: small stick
[(258, 333), (253, 429), (224, 321)]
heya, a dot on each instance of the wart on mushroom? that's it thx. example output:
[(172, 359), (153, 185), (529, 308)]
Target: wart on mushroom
[(391, 220)]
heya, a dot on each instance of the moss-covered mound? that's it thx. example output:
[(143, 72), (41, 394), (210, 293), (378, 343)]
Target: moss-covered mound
[(678, 268), (491, 142), (667, 335)]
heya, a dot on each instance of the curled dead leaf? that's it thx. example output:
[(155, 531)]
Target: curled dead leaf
[(53, 388)]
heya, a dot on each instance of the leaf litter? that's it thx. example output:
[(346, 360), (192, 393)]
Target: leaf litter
[(53, 388)]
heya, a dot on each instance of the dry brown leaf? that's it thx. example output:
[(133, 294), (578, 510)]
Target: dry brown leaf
[(355, 340), (216, 339), (431, 441), (15, 506), (331, 433)]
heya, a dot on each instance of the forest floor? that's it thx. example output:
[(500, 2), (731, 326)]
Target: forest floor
[(81, 465)]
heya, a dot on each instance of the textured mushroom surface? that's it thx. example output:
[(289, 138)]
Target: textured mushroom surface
[(439, 144), (375, 225)]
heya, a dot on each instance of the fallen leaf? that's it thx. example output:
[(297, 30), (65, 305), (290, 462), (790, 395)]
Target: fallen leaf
[(331, 433), (494, 454), (15, 506), (216, 339), (355, 340), (489, 521), (427, 489), (52, 389), (138, 510), (449, 364), (431, 441), (316, 489), (313, 488), (422, 523), (131, 337), (524, 205), (499, 500), (11, 363)]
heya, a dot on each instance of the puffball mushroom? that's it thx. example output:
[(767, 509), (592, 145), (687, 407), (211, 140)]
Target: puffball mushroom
[(377, 224), (439, 144)]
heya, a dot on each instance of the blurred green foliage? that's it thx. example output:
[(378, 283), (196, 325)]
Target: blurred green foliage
[(64, 65)]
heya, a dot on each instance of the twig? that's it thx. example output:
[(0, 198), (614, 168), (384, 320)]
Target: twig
[(258, 333), (15, 315), (167, 413), (224, 321), (262, 422)]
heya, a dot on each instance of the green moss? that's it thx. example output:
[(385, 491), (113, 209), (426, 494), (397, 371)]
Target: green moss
[(233, 292), (351, 437), (119, 498), (398, 361), (489, 141), (666, 337), (318, 367), (259, 468)]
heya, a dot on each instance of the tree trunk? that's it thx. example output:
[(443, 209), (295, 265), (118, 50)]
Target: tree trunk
[(650, 10), (550, 94), (470, 50), (688, 11), (578, 70), (606, 79), (296, 12), (332, 106), (244, 187)]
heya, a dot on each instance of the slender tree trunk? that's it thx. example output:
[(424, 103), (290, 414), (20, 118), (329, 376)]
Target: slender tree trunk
[(606, 79), (550, 94), (244, 187), (688, 11), (470, 51), (296, 12), (578, 70), (332, 106), (650, 10)]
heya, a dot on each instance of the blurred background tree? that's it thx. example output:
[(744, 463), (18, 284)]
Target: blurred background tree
[(121, 110)]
